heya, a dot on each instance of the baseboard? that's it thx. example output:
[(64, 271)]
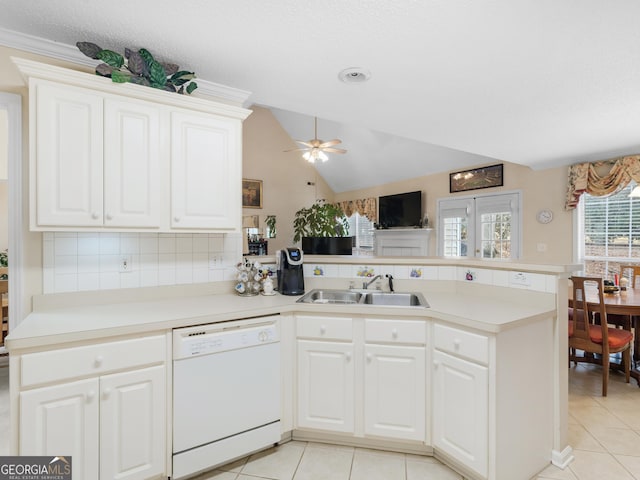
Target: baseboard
[(562, 459)]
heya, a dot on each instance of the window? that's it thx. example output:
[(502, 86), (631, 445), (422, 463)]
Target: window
[(362, 229), (485, 226), (610, 232)]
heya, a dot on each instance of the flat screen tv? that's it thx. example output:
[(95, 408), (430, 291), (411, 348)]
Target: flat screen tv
[(400, 210)]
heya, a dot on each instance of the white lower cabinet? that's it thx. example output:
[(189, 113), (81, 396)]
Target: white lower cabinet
[(326, 390), (366, 377), (62, 420), (113, 425), (460, 410), (394, 396)]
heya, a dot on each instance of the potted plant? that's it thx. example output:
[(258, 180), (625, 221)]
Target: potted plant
[(322, 229)]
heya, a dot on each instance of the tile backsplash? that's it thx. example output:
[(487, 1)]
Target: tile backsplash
[(75, 262)]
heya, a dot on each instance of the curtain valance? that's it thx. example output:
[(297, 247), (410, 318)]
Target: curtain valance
[(367, 207), (589, 177)]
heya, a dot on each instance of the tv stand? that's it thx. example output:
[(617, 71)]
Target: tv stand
[(403, 242)]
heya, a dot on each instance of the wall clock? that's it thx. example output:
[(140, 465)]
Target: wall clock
[(544, 216)]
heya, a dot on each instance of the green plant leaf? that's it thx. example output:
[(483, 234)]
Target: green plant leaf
[(183, 74), (157, 75), (191, 87), (91, 50), (120, 77), (111, 58), (144, 53)]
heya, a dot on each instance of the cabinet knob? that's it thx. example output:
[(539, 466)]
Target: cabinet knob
[(323, 329), (394, 333), (348, 356), (108, 216), (436, 363), (106, 393), (99, 360), (90, 395), (95, 215), (456, 343), (176, 219), (369, 357)]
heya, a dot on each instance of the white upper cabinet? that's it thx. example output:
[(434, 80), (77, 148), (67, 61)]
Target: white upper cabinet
[(67, 156), (204, 176), (116, 157), (132, 164)]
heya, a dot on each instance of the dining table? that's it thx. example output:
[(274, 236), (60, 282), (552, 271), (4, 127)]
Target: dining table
[(625, 303)]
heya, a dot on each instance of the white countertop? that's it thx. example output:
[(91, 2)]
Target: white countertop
[(56, 326)]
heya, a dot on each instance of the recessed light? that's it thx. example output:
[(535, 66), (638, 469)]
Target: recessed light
[(354, 75)]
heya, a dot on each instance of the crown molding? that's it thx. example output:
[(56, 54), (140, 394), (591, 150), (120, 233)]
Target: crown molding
[(69, 53)]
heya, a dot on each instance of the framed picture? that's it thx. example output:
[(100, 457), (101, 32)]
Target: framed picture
[(484, 177), (251, 193)]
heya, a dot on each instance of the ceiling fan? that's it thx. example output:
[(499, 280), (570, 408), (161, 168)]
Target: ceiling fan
[(315, 149)]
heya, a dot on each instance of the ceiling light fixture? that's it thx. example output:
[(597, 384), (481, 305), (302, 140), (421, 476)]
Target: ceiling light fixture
[(315, 148), (354, 75), (635, 193)]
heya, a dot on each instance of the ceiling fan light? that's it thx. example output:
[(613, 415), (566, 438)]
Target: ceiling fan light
[(308, 157), (322, 156)]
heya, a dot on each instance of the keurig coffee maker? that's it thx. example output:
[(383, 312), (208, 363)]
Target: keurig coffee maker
[(290, 274)]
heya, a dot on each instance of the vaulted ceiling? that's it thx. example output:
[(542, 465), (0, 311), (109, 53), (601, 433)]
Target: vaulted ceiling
[(453, 83)]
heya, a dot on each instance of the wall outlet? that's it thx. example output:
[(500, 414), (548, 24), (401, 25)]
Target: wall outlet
[(213, 262), (125, 265), (520, 278)]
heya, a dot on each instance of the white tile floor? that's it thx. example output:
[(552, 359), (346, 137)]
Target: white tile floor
[(604, 432)]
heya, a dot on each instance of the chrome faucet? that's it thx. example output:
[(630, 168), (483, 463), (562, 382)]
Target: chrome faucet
[(365, 285)]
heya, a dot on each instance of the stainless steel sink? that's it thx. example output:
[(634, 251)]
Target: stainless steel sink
[(403, 299), (331, 296), (400, 299)]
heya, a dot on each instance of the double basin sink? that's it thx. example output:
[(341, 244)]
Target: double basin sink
[(364, 297)]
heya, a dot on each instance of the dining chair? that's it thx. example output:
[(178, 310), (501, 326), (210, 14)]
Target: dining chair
[(4, 302), (593, 339), (631, 272)]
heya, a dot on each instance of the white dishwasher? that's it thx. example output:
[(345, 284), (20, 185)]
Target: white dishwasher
[(226, 392)]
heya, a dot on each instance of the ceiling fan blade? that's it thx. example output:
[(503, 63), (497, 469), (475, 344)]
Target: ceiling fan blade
[(307, 143), (297, 150), (330, 143), (334, 150)]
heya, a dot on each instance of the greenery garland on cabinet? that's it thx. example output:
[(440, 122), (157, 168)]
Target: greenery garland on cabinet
[(139, 67)]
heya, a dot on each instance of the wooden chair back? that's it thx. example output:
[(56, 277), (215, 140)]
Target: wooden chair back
[(583, 313), (631, 272)]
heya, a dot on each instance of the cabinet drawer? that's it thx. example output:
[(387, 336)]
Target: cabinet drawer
[(97, 359), (329, 328), (461, 343), (395, 331)]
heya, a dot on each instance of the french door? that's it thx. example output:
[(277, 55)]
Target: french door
[(483, 226)]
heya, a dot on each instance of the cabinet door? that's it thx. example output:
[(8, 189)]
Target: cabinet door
[(394, 398), (133, 422), (326, 391), (132, 164), (460, 410), (205, 171), (68, 156), (62, 420)]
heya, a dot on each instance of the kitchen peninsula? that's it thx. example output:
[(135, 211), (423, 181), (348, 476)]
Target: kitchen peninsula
[(491, 346)]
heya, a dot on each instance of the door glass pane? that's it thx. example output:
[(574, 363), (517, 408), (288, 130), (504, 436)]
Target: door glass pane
[(455, 237), (496, 235)]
